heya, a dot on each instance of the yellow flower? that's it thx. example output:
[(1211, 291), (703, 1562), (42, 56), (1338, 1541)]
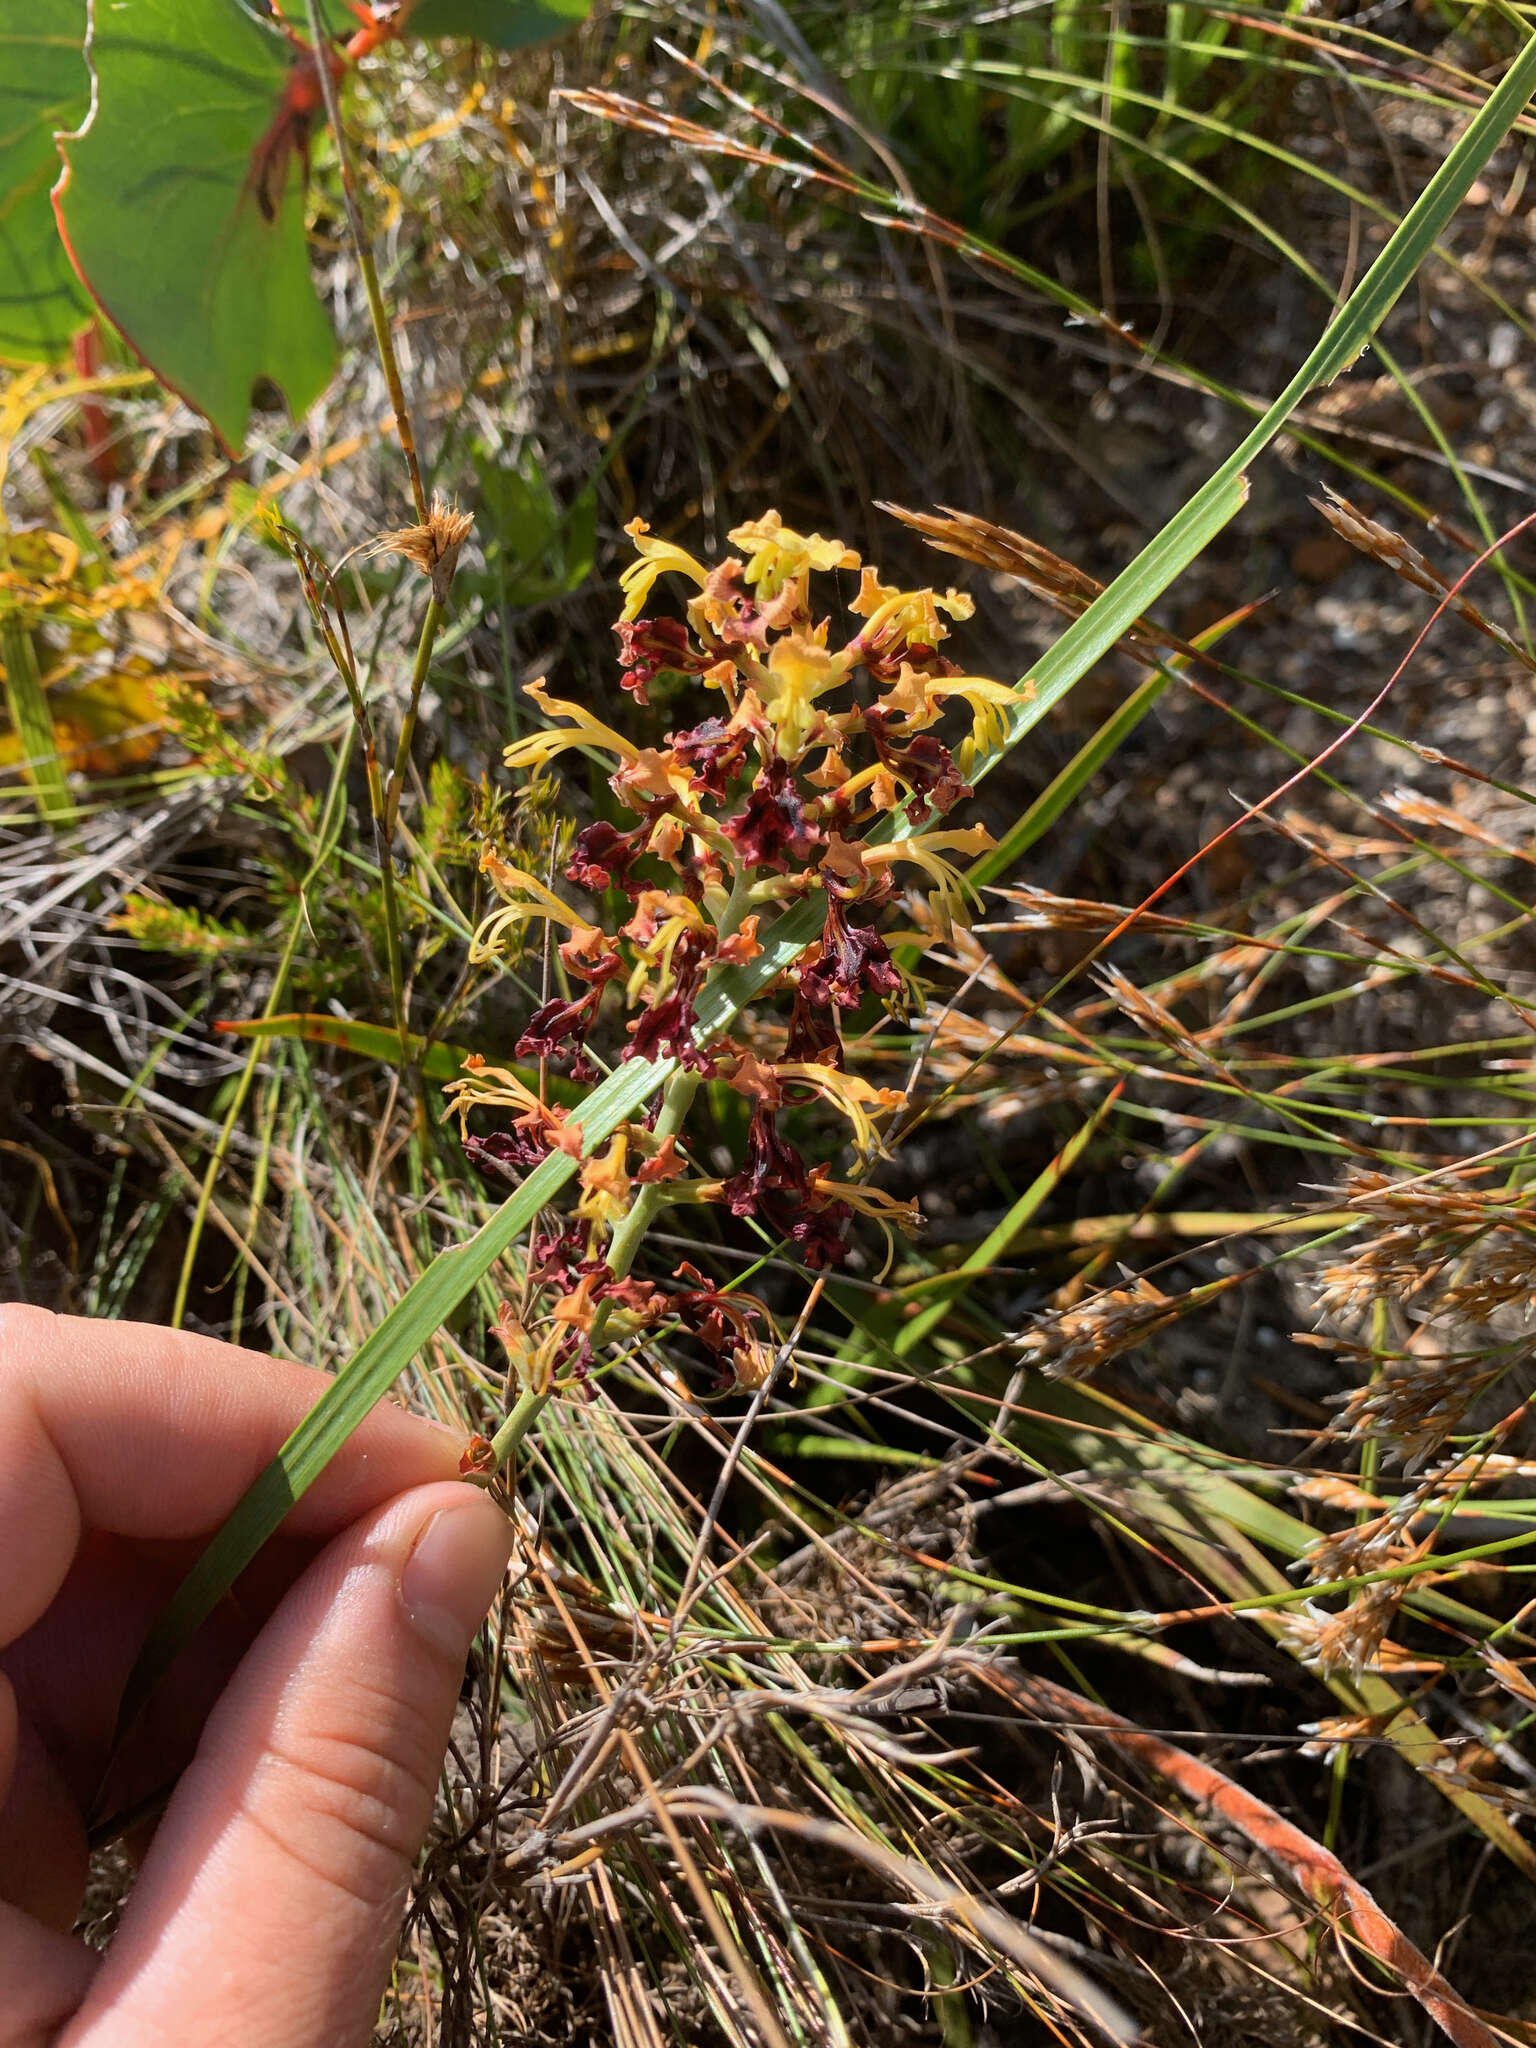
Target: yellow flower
[(779, 554), (917, 700), (485, 1087), (908, 616), (605, 1186), (660, 920), (657, 557), (537, 749), (524, 897), (851, 858), (884, 1210), (868, 1201), (990, 704), (910, 698), (848, 1094), (799, 671)]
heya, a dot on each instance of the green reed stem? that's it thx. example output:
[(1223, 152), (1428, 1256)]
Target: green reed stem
[(424, 646), (377, 313)]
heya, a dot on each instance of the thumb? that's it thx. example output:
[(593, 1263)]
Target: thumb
[(268, 1907)]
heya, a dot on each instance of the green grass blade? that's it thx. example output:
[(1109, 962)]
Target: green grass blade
[(1171, 551), (27, 702), (369, 1041), (996, 1243), (368, 1376)]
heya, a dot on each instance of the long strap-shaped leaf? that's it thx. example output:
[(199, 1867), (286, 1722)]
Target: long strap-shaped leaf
[(426, 1305)]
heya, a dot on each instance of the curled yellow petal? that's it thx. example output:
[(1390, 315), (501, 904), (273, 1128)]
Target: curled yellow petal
[(657, 557), (524, 899), (536, 749), (849, 1094)]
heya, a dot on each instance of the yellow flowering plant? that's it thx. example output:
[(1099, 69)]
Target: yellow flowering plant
[(771, 796)]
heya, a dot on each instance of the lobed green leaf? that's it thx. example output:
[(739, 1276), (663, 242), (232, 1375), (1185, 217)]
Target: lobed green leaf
[(166, 198), (44, 86)]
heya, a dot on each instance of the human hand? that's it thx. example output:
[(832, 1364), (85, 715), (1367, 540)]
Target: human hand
[(315, 1707)]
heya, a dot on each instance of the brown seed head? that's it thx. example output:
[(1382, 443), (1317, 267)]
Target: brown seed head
[(434, 548)]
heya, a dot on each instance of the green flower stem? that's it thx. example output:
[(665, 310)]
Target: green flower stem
[(628, 1238), (424, 646), (377, 313), (676, 1101), (511, 1433)]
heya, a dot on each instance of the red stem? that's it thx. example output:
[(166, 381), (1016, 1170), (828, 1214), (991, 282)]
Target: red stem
[(1318, 1873)]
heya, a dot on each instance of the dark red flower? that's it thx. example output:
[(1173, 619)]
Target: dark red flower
[(772, 1166), (774, 824), (723, 1323), (558, 1032), (559, 1258), (651, 647), (817, 1234), (508, 1155), (637, 1297), (923, 763), (668, 1024), (603, 857), (773, 1186), (589, 954), (885, 655), (713, 752), (813, 1035), (667, 1027), (703, 1297), (744, 624), (855, 962)]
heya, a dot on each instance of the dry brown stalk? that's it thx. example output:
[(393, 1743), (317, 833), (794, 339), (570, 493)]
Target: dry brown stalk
[(1056, 582), (1404, 560), (1072, 1343), (1316, 1871)]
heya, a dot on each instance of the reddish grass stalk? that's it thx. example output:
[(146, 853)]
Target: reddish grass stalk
[(1318, 1873), (94, 420)]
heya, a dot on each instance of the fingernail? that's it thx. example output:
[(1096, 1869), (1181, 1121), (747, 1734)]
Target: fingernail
[(451, 1577)]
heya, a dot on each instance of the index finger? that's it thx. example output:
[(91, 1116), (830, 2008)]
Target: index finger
[(144, 1432)]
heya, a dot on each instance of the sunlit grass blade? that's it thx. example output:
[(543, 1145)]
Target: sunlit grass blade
[(350, 1034), (374, 1368), (995, 1245), (27, 702)]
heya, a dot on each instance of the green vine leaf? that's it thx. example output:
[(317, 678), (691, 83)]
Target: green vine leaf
[(44, 86), (182, 203), (505, 24)]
